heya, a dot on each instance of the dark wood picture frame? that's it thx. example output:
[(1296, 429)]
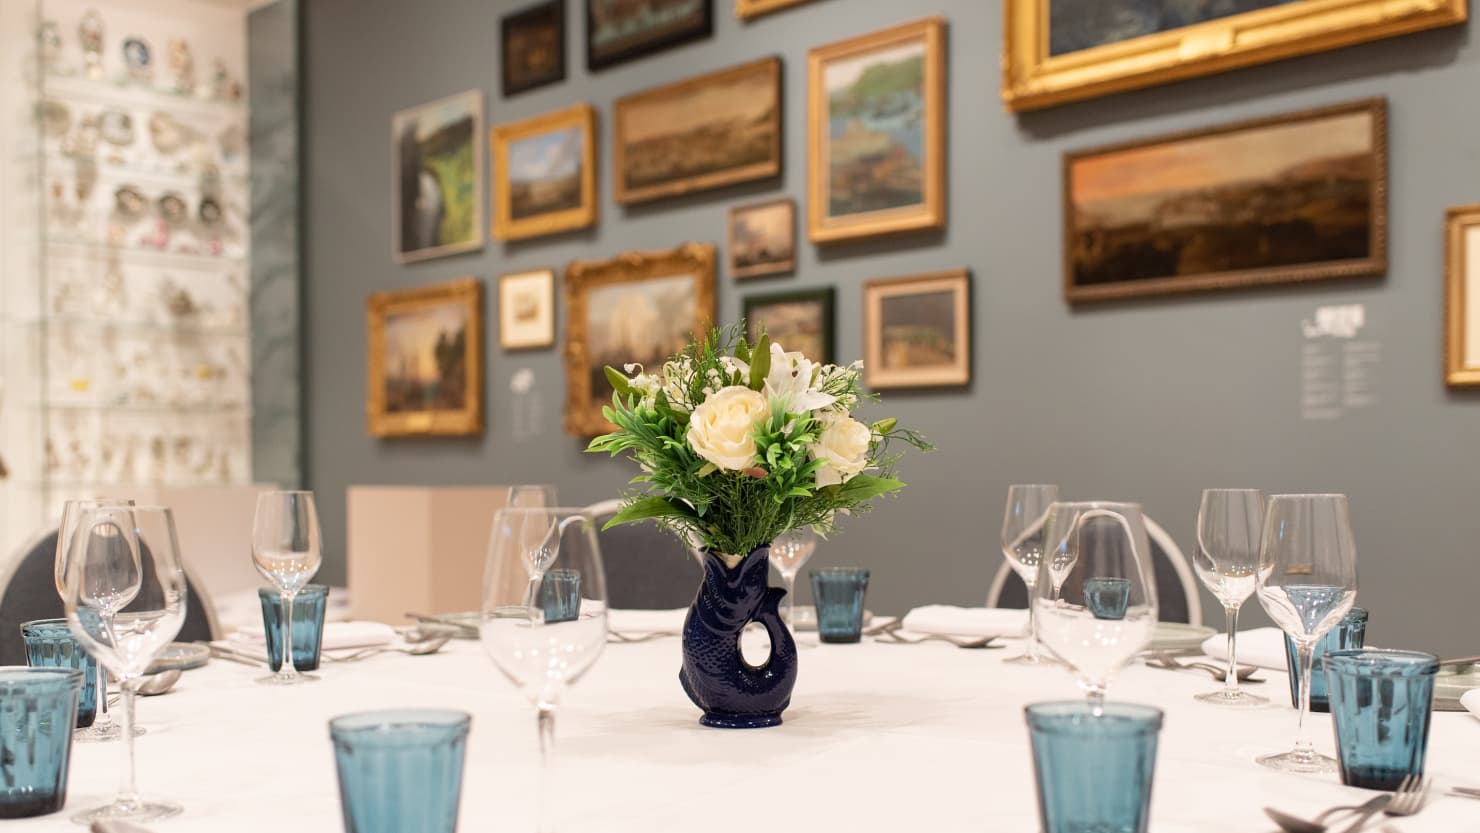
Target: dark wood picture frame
[(646, 45), (550, 13), (825, 297)]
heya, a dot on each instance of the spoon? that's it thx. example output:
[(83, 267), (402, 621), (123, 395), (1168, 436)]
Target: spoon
[(1161, 659), (154, 684), (1295, 824), (431, 645)]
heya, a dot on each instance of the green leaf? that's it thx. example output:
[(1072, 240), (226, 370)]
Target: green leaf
[(760, 362), (619, 382), (884, 426), (644, 508), (742, 351), (707, 469), (866, 486)]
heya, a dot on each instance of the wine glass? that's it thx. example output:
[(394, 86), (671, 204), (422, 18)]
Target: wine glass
[(532, 495), (1229, 524), (125, 601), (286, 550), (789, 552), (542, 641), (1307, 581), (1095, 594), (103, 728), (1024, 527)]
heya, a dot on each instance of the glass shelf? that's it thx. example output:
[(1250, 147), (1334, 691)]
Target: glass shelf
[(234, 410), (188, 179), (159, 328), (123, 91), (93, 248), (75, 485)]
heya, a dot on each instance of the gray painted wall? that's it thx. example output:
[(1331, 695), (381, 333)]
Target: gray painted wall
[(1148, 401)]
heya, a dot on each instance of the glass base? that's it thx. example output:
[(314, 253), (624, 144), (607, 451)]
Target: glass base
[(102, 733), (1297, 761), (1235, 700), (279, 679), (1026, 659), (129, 811)]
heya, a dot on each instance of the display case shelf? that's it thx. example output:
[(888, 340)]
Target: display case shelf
[(197, 409), (163, 257), (162, 329), (127, 92)]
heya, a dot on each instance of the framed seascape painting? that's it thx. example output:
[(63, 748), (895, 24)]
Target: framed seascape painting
[(426, 360), (876, 133), (620, 30), (801, 321), (1462, 296), (705, 132), (438, 179), (763, 239), (639, 307), (1056, 51), (1296, 197), (526, 310), (532, 46), (917, 331), (746, 9), (544, 174)]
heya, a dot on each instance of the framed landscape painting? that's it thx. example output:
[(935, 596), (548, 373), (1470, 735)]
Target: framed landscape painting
[(876, 133), (438, 177), (544, 174), (705, 132), (763, 239), (1292, 198), (917, 331), (426, 360), (532, 46), (1462, 296), (802, 321), (620, 30), (639, 307), (526, 310), (1056, 51)]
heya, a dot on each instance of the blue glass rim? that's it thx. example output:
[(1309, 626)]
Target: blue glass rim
[(400, 727), (562, 573), (1380, 662), (308, 591), (44, 628), (839, 572), (1356, 614), (1072, 716), (17, 680)]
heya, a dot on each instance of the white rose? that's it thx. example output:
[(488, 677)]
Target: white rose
[(722, 428), (842, 446)]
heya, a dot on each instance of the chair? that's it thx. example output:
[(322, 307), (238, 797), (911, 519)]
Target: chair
[(1178, 599), (28, 591), (647, 568)]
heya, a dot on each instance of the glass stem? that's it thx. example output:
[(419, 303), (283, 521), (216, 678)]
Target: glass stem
[(128, 790), (545, 822), (287, 671), (1032, 651), (1230, 683), (791, 602), (1306, 653)]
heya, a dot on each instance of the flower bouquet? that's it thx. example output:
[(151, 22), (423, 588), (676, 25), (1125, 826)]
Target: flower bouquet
[(737, 444)]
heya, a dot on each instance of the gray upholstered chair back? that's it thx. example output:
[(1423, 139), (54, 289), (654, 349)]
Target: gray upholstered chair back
[(647, 567)]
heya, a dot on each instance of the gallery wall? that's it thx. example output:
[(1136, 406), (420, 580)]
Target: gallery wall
[(1147, 400)]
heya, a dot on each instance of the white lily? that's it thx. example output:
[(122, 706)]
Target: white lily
[(790, 380)]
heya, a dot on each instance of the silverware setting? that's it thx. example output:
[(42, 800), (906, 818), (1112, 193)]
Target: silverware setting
[(1407, 800), (1167, 662), (430, 645), (640, 637), (153, 685), (889, 635)]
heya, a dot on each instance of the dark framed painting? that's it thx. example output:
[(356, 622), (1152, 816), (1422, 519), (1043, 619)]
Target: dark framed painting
[(438, 177), (532, 47), (426, 360), (620, 30), (1462, 296), (1292, 198), (917, 331), (763, 239), (700, 133), (544, 173), (801, 321)]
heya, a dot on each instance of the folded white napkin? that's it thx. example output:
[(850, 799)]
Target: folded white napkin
[(643, 622), (1264, 647), (945, 620), (337, 635), (1471, 700)]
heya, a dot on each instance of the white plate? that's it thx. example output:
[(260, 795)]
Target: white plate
[(181, 656), (1178, 636), (1453, 681)]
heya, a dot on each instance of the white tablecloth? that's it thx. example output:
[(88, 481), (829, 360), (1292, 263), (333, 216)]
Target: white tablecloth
[(879, 738)]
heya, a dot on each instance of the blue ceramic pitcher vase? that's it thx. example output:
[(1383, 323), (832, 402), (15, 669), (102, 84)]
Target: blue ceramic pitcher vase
[(733, 693)]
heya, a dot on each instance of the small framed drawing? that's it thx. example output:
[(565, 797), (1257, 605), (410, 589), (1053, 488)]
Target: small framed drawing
[(544, 174), (532, 45), (801, 321), (526, 310), (1462, 296), (620, 30), (438, 177), (426, 360), (917, 331), (763, 239)]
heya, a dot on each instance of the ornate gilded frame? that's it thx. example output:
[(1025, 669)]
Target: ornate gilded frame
[(875, 375), (582, 415), (1459, 285), (467, 421), (747, 9), (1032, 79), (931, 214), (505, 227)]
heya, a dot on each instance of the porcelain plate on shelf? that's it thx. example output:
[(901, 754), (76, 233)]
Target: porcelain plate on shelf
[(1178, 636)]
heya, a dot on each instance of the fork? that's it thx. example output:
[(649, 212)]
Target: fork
[(891, 633), (1162, 659), (1409, 797)]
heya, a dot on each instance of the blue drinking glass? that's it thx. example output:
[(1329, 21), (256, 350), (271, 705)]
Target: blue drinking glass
[(400, 771), (1380, 704), (1094, 766), (560, 595), (50, 644), (838, 593), (38, 708), (1108, 598), (308, 625), (1348, 634)]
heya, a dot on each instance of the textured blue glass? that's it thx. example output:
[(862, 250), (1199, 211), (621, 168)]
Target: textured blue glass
[(1107, 598), (308, 625), (838, 593), (1094, 771), (50, 644), (400, 771), (1380, 705), (1349, 633), (560, 595), (38, 707)]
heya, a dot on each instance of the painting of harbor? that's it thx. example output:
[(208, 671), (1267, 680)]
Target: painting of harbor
[(876, 130)]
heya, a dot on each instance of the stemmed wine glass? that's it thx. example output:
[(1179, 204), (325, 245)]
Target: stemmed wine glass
[(532, 496), (543, 621), (1024, 528), (789, 552), (1095, 594), (1307, 581), (286, 550), (104, 728), (125, 601), (1229, 524)]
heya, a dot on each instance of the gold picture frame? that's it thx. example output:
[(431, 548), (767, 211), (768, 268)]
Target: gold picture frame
[(747, 9), (655, 284), (1033, 78), (548, 201), (1462, 296), (526, 309), (399, 324), (931, 343), (915, 199)]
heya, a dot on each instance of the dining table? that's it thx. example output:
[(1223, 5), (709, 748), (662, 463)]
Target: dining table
[(879, 737)]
